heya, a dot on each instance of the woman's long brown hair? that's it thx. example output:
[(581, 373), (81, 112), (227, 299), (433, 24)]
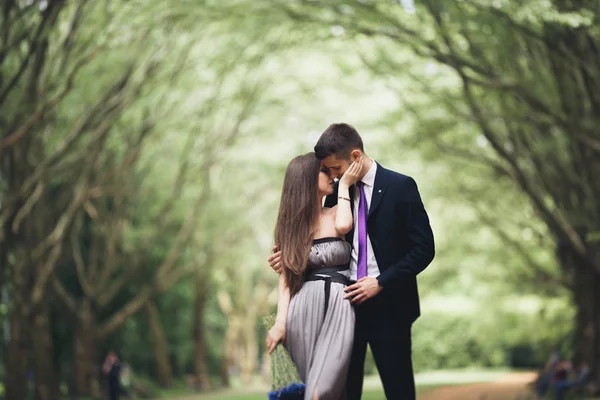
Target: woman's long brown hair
[(298, 217)]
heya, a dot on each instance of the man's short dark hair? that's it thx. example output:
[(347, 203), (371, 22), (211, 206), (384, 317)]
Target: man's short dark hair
[(340, 140)]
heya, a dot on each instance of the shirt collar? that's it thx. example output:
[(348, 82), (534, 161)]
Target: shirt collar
[(369, 178)]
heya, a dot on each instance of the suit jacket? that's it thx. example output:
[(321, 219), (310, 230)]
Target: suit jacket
[(401, 236)]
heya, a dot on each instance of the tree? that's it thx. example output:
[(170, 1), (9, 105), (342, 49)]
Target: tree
[(40, 64), (66, 149), (527, 98)]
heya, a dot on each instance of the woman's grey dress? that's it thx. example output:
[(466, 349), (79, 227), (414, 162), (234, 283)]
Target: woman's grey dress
[(319, 332)]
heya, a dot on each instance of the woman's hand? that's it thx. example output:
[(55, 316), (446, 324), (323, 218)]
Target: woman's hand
[(274, 260), (351, 176), (275, 335)]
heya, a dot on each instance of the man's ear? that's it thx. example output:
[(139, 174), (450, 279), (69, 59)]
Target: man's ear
[(355, 155)]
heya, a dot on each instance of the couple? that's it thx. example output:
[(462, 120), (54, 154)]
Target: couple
[(348, 269)]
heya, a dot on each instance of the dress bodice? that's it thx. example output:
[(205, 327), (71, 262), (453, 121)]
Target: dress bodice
[(329, 252)]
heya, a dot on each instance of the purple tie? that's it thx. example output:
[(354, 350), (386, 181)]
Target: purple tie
[(362, 232)]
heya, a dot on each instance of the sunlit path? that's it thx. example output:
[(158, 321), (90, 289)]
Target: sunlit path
[(508, 387), (438, 385)]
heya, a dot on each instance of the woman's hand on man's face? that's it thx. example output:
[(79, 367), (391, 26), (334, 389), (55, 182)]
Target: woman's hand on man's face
[(352, 174)]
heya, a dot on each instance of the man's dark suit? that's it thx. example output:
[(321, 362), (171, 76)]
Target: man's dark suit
[(403, 245)]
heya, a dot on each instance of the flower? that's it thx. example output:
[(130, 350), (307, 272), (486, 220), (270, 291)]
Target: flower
[(295, 391), (285, 379)]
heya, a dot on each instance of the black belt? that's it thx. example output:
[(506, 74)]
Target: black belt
[(328, 275)]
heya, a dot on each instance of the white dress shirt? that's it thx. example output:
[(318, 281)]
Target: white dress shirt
[(372, 268)]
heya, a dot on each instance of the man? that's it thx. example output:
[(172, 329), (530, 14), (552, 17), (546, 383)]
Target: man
[(112, 368), (391, 242)]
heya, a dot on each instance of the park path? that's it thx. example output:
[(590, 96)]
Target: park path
[(510, 387)]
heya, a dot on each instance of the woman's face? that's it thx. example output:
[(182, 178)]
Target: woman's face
[(325, 182)]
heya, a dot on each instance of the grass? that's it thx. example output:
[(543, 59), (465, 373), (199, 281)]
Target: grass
[(372, 385), (367, 395)]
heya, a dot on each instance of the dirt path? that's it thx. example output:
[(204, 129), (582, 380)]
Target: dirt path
[(510, 387)]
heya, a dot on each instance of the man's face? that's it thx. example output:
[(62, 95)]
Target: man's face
[(336, 166)]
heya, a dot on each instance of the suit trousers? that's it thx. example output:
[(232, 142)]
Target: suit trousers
[(389, 337)]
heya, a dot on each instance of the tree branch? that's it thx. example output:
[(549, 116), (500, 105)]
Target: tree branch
[(78, 259), (18, 134), (541, 275), (50, 16), (66, 298)]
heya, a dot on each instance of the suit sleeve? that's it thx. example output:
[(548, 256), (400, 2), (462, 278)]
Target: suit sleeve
[(420, 236), (331, 200)]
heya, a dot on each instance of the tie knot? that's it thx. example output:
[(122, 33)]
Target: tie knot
[(360, 184)]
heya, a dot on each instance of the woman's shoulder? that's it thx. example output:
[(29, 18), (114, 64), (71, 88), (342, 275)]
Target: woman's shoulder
[(330, 210)]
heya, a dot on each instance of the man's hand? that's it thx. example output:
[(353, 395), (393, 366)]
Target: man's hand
[(275, 260), (364, 289)]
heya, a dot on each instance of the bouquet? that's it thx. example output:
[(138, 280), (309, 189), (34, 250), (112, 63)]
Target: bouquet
[(285, 379)]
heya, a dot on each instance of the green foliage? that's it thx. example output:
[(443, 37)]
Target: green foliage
[(516, 335)]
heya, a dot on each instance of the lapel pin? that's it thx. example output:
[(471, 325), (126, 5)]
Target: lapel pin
[(379, 190)]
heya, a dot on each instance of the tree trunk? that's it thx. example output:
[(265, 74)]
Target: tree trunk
[(86, 341), (46, 383), (164, 372), (249, 342), (16, 375), (228, 351), (225, 382), (265, 367), (18, 244), (586, 296), (200, 350)]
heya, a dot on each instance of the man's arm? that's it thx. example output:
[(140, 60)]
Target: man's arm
[(421, 240), (274, 259)]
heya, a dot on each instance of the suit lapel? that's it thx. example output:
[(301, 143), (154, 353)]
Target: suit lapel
[(379, 187), (378, 190)]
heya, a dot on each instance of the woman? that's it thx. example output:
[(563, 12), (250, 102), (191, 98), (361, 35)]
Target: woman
[(314, 321)]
